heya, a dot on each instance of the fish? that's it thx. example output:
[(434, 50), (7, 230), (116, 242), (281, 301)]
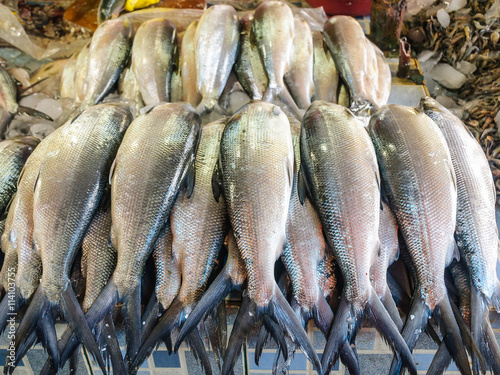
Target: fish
[(190, 92), (195, 246), (109, 9), (78, 174), (8, 102), (107, 57), (249, 66), (81, 67), (67, 87), (216, 45), (420, 186), (255, 176), (388, 253), (351, 50), (176, 80), (476, 232), (299, 78), (153, 52), (325, 73), (143, 178), (273, 29), (13, 155), (327, 171)]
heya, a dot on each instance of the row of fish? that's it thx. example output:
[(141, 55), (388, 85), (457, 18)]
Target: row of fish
[(218, 207), (273, 55)]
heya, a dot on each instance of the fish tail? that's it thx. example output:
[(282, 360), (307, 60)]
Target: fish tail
[(77, 321), (165, 325), (196, 343), (416, 321), (48, 334), (7, 307), (245, 320), (322, 315), (280, 311), (451, 336), (150, 317), (383, 322), (216, 293), (350, 359), (440, 361), (21, 351), (133, 324), (391, 308), (340, 332), (277, 334), (73, 362), (478, 316), (280, 95), (217, 332), (113, 347), (495, 298), (261, 341), (400, 296), (491, 348)]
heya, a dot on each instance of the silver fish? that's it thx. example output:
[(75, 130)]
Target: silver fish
[(67, 88), (255, 174), (299, 77), (248, 66), (420, 183), (153, 52), (81, 67), (8, 99), (273, 28), (108, 56), (328, 170), (325, 73), (216, 45), (128, 89), (190, 92), (476, 232), (358, 61)]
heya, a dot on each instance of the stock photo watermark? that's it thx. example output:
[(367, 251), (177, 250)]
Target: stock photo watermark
[(11, 321)]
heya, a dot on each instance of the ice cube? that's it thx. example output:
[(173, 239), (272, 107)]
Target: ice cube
[(50, 107), (448, 76), (41, 130), (466, 67), (237, 99), (456, 5), (443, 18), (31, 101)]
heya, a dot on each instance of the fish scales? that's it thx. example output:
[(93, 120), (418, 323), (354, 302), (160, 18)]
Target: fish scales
[(416, 167)]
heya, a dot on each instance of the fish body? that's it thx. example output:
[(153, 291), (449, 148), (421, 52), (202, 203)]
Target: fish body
[(128, 89), (476, 232), (350, 220), (216, 44), (248, 66), (190, 92), (76, 167), (358, 61), (153, 52), (99, 257), (196, 244), (108, 56), (325, 73), (299, 78)]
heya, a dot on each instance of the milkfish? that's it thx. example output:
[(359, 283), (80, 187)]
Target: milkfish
[(187, 61), (255, 177), (216, 45), (476, 233), (273, 29), (195, 244), (81, 68), (420, 186), (107, 57), (75, 168), (350, 220), (67, 87), (359, 61), (144, 186), (153, 54)]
